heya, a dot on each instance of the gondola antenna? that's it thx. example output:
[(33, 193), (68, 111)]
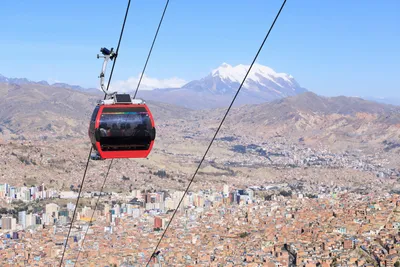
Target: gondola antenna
[(107, 55)]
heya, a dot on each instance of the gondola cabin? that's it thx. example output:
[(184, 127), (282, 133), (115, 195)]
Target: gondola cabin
[(122, 127)]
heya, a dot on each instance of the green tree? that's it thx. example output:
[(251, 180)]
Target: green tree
[(244, 234)]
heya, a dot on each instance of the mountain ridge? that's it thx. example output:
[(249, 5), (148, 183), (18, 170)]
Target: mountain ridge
[(20, 81), (26, 107), (207, 92), (217, 89)]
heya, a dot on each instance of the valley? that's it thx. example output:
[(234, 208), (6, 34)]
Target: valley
[(300, 138)]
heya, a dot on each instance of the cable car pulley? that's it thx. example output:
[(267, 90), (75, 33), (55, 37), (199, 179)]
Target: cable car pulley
[(121, 126)]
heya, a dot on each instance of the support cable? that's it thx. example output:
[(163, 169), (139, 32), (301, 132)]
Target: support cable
[(95, 208), (219, 127), (76, 205), (108, 85), (151, 48), (91, 148)]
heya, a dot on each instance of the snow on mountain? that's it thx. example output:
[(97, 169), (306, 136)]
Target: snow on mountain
[(256, 75), (263, 84), (262, 81)]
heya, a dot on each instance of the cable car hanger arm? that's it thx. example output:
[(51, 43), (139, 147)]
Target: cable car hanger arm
[(107, 55)]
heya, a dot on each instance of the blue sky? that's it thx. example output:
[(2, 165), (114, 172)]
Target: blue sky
[(330, 47)]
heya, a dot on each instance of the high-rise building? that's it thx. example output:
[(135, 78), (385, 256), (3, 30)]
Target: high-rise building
[(129, 209), (52, 210), (135, 193), (108, 217), (6, 189), (30, 220), (226, 190), (22, 219), (27, 195), (123, 208), (169, 204), (157, 222), (165, 222), (2, 191), (70, 206), (6, 223), (13, 224), (13, 192), (232, 198), (106, 209), (117, 209), (87, 212), (37, 219), (45, 219), (250, 193), (199, 201), (136, 213)]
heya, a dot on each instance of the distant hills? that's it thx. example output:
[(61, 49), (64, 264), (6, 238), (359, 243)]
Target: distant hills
[(217, 89), (385, 100), (21, 81), (53, 120), (35, 110)]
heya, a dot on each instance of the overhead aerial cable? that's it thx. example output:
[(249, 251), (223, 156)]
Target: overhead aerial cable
[(218, 129), (75, 208), (110, 55), (122, 126), (95, 208), (91, 147), (151, 48)]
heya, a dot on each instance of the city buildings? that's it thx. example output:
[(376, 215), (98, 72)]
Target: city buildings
[(227, 226)]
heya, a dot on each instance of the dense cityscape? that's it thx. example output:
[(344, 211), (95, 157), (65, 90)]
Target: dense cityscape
[(258, 226), (212, 153)]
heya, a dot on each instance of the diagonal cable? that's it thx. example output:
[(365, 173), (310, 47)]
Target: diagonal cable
[(151, 48), (76, 205), (219, 127), (95, 208), (119, 43), (108, 85), (91, 148)]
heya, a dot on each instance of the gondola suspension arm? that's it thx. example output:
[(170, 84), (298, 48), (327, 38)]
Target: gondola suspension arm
[(107, 55)]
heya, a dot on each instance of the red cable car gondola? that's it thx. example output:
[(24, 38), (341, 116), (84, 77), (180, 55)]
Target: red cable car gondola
[(120, 127)]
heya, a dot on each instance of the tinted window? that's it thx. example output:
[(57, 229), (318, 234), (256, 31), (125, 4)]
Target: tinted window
[(94, 115), (125, 129), (124, 121), (93, 118)]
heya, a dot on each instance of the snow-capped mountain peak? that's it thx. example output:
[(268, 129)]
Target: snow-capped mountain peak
[(262, 83), (257, 74)]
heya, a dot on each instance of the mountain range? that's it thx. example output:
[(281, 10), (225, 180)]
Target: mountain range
[(43, 133), (272, 102), (35, 110), (217, 89), (21, 81)]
